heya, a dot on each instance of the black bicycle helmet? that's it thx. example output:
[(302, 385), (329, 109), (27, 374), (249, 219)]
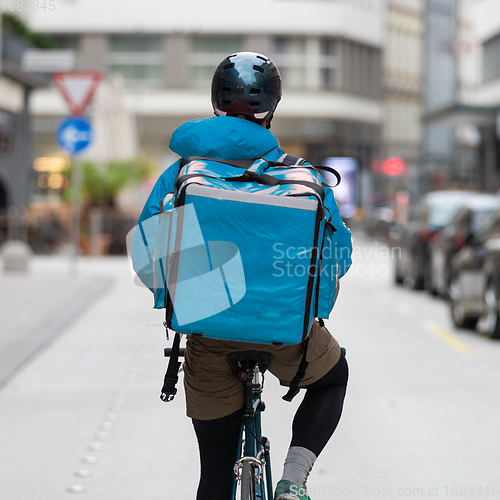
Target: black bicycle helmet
[(247, 84)]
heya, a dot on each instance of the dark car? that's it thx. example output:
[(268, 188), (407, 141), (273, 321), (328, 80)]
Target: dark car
[(412, 242), (475, 279), (453, 237)]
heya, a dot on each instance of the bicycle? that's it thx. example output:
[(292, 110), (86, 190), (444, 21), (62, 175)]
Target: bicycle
[(252, 468)]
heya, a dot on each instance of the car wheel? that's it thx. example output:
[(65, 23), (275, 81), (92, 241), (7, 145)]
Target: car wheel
[(490, 322), (446, 291), (413, 278), (418, 281), (429, 282), (398, 276), (458, 316)]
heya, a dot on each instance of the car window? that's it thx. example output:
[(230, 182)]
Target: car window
[(481, 220), (442, 211), (490, 224), (461, 218)]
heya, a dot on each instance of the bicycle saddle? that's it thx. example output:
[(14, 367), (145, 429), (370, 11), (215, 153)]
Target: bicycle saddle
[(248, 360)]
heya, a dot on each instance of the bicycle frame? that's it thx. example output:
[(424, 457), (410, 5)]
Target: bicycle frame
[(252, 446)]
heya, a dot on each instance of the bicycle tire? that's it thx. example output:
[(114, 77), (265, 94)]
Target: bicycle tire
[(247, 484)]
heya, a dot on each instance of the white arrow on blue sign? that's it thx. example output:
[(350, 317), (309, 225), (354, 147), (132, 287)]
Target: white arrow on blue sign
[(74, 134)]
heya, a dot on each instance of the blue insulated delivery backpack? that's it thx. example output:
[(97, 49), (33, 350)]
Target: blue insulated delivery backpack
[(250, 250)]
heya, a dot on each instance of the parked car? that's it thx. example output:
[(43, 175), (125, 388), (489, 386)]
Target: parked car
[(412, 241), (475, 279), (454, 236)]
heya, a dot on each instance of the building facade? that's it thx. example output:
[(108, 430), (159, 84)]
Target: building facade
[(452, 64), (487, 97), (403, 93), (403, 79), (462, 119), (329, 54)]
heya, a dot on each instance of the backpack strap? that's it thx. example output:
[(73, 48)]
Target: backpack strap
[(294, 384), (286, 160), (248, 175), (297, 161), (171, 376), (233, 163), (291, 160), (332, 171)]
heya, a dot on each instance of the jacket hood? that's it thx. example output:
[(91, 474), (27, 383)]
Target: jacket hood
[(222, 137)]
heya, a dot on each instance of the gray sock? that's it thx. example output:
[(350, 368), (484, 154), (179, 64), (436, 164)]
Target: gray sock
[(298, 464)]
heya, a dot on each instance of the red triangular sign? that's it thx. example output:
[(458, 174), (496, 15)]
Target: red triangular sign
[(77, 88)]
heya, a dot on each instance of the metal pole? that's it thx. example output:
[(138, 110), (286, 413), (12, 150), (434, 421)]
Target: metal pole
[(12, 223), (95, 223), (76, 181)]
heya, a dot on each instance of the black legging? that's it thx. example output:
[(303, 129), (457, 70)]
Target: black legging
[(314, 423)]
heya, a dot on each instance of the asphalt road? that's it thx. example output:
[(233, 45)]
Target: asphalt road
[(420, 421)]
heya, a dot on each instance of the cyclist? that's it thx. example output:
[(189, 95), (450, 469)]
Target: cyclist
[(246, 89)]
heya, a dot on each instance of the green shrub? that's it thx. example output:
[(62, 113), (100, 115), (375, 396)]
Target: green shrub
[(101, 184), (17, 27)]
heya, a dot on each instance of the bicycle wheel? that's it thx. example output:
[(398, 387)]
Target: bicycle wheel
[(247, 483)]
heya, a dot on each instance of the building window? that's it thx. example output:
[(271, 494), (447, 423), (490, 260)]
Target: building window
[(138, 58), (329, 64), (491, 59), (206, 54), (361, 67), (310, 63), (289, 54)]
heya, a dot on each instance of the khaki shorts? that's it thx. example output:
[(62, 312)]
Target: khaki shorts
[(213, 390)]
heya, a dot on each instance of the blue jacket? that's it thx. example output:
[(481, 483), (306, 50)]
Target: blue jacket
[(223, 137)]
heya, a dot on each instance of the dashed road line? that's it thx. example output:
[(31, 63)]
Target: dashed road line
[(447, 337), (111, 416)]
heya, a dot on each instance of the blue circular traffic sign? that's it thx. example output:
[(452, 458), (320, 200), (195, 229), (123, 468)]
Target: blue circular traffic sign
[(74, 134)]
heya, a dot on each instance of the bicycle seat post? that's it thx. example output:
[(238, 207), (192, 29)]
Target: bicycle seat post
[(247, 377), (245, 363)]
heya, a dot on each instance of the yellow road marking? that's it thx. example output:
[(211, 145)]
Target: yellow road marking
[(448, 337)]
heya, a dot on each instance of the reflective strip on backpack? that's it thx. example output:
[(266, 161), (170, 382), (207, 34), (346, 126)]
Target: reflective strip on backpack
[(300, 203)]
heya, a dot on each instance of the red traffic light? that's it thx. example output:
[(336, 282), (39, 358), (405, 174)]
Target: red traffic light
[(393, 166)]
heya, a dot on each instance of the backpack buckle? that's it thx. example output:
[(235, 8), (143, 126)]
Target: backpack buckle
[(256, 168)]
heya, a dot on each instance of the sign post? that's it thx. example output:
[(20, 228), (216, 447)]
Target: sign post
[(74, 135)]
